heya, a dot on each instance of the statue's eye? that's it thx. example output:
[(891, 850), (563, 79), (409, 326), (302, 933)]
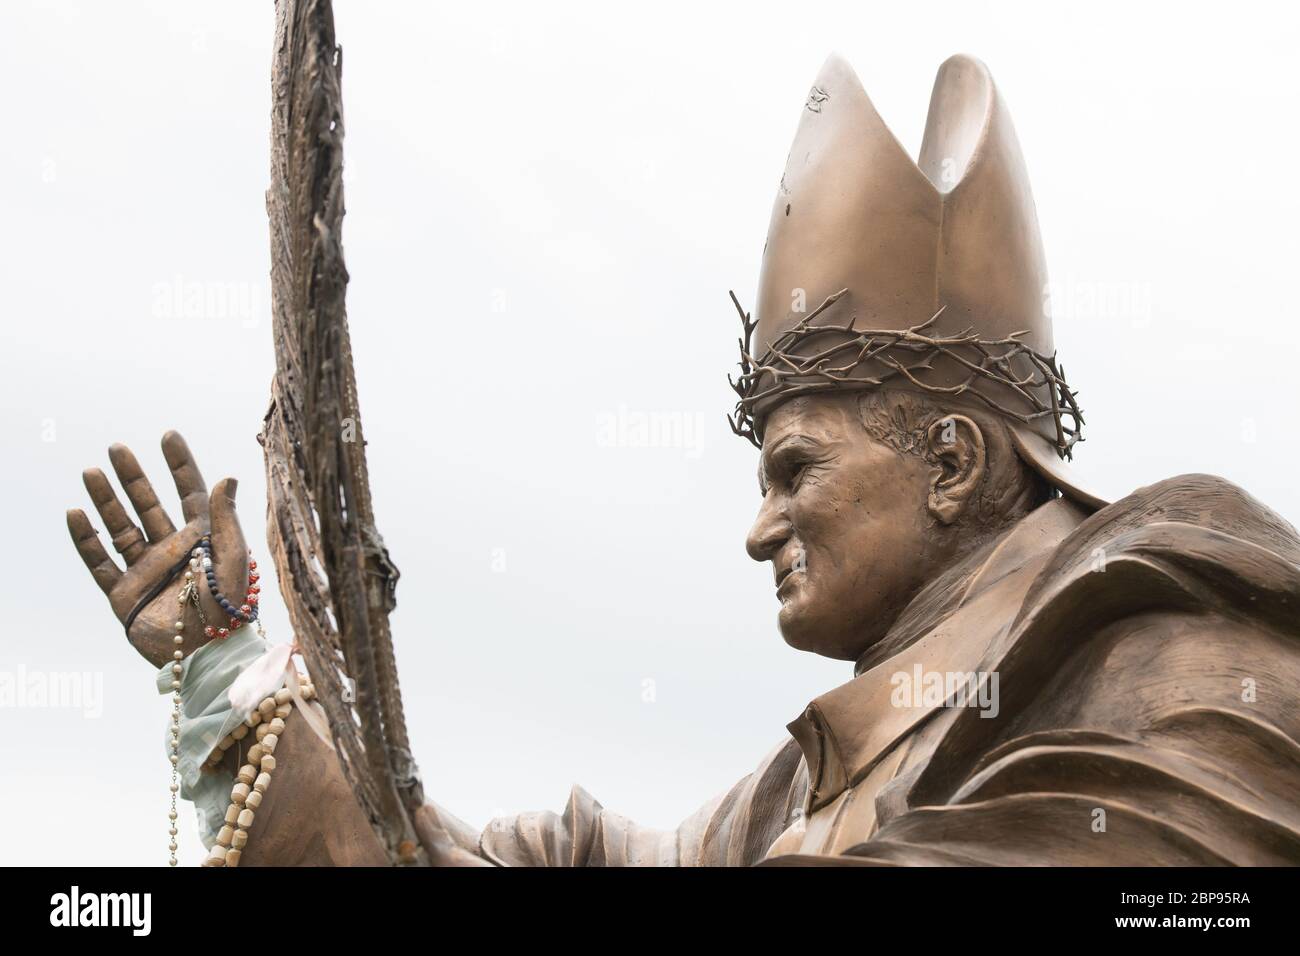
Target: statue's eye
[(790, 463), (791, 469)]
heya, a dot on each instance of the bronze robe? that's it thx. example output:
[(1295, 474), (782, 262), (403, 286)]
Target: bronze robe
[(1148, 711)]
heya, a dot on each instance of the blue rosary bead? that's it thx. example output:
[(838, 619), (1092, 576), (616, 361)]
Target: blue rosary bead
[(233, 611)]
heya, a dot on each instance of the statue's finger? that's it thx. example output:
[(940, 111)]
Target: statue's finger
[(102, 568), (227, 537), (128, 540), (189, 482), (140, 493)]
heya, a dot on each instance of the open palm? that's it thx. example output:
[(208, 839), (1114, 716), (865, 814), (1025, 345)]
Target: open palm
[(152, 555)]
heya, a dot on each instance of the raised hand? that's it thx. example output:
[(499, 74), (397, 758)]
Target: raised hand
[(151, 554)]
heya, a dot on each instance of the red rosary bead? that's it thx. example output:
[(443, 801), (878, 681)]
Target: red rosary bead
[(210, 631)]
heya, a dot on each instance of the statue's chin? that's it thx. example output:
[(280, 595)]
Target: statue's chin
[(823, 634), (827, 626)]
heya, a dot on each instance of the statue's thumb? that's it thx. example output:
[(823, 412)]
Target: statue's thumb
[(226, 539)]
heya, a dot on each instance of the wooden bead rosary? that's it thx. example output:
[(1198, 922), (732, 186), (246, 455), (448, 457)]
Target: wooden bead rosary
[(266, 722)]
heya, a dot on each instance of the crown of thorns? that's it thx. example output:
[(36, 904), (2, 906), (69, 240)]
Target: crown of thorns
[(791, 367)]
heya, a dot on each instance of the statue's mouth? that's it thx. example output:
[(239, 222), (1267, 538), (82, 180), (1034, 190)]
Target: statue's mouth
[(783, 579)]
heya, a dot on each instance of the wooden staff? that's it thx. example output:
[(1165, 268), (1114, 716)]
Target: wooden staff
[(335, 574)]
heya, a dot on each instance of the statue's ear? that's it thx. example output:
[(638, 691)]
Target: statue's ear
[(957, 444)]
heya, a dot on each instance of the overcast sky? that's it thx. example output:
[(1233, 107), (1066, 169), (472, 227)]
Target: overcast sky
[(547, 204)]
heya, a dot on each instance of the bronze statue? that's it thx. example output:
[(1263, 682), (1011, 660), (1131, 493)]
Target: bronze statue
[(1039, 676)]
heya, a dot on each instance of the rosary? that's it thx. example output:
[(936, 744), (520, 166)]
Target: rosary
[(266, 721)]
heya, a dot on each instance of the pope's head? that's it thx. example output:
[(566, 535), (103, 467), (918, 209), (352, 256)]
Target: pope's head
[(869, 495)]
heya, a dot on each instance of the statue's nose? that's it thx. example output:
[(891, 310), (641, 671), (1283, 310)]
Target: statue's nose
[(770, 531)]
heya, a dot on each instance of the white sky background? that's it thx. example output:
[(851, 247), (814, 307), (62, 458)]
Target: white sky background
[(600, 176)]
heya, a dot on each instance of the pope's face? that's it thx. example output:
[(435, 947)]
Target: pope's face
[(844, 523)]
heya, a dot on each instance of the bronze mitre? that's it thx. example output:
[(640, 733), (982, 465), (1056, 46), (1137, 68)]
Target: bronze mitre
[(879, 271)]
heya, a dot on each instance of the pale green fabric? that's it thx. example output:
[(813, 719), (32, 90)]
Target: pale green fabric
[(206, 718)]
